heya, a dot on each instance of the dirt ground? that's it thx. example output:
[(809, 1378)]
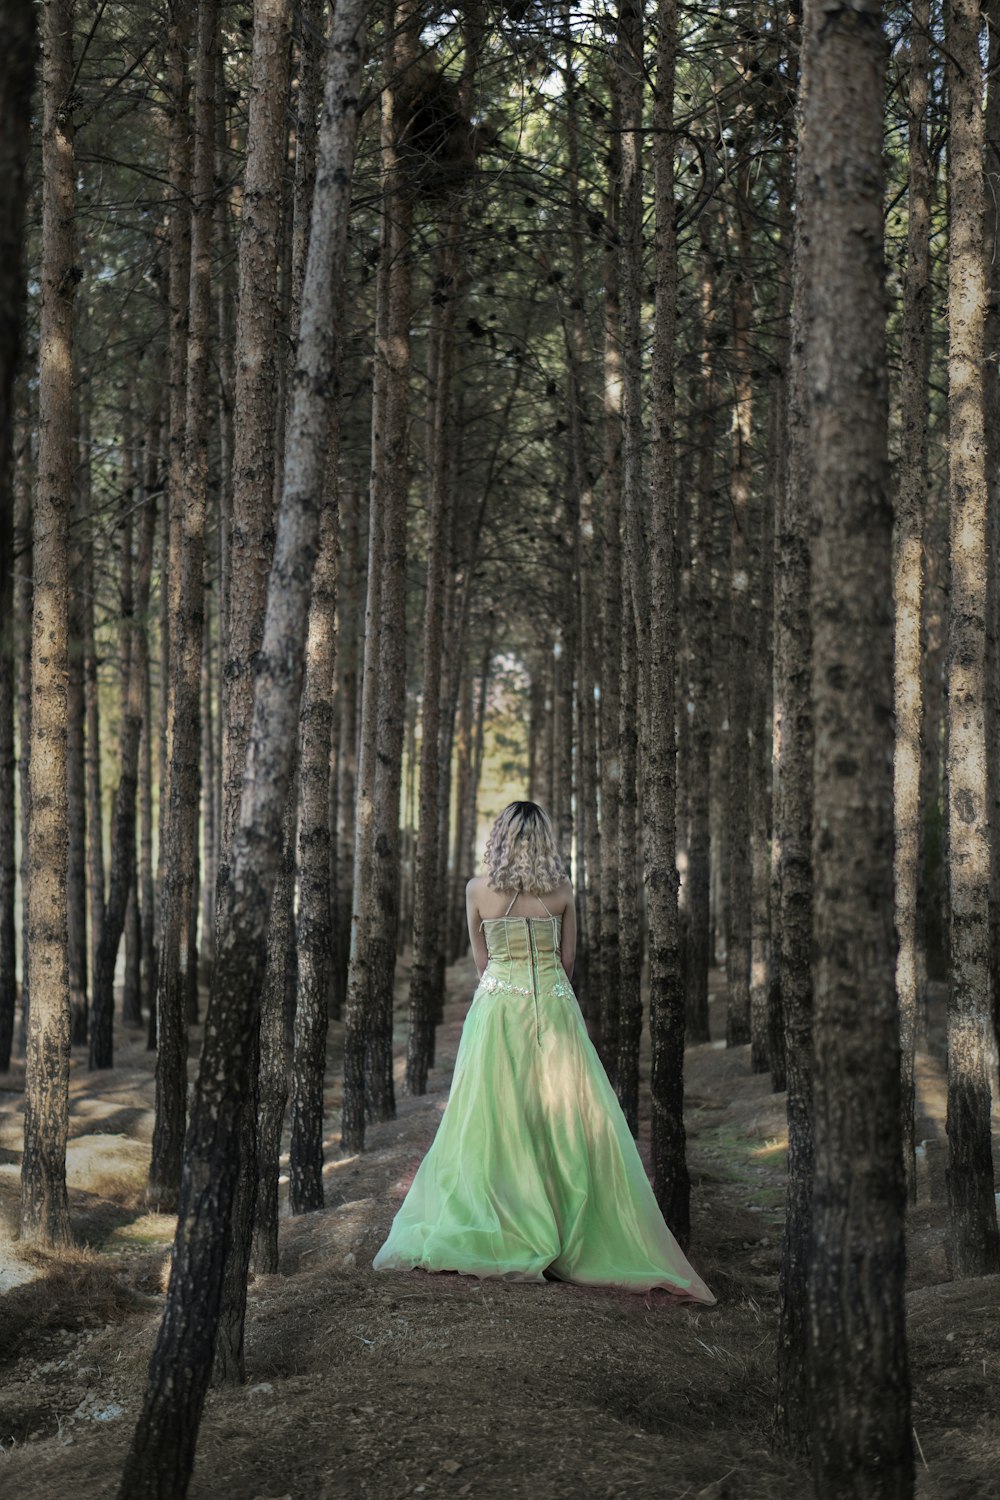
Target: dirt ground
[(384, 1386)]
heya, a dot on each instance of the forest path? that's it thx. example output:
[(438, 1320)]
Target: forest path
[(384, 1386)]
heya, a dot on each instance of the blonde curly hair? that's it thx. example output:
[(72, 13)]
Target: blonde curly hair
[(521, 854)]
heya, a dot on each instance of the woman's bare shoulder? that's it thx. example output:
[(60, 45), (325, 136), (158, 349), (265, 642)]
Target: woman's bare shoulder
[(476, 885)]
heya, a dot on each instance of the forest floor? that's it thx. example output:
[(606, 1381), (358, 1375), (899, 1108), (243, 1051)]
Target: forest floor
[(389, 1385)]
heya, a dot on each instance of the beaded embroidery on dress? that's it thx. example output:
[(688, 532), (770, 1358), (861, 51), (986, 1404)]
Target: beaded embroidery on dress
[(533, 1168)]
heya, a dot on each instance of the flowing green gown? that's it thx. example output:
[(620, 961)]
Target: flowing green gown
[(533, 1167)]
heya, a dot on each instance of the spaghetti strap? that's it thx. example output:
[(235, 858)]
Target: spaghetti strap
[(513, 899), (543, 906)]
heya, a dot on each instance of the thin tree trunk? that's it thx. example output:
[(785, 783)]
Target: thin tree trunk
[(973, 1241), (581, 529), (175, 981), (624, 1071), (256, 413), (17, 71), (671, 1181), (636, 682), (776, 1043), (793, 819), (313, 941), (424, 973), (761, 720), (273, 1065), (23, 609), (254, 407), (348, 605), (609, 726), (76, 779), (368, 1042), (911, 495), (92, 756), (162, 1452), (698, 956), (146, 886), (739, 670), (135, 672), (44, 1214)]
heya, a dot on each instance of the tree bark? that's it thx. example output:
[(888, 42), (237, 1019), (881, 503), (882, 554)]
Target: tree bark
[(314, 937), (92, 756), (348, 608), (793, 821), (739, 678), (176, 983), (911, 495), (991, 412), (252, 524), (17, 72), (368, 1042), (697, 954), (636, 682), (123, 809), (973, 1241), (277, 1004), (609, 726), (627, 1036), (44, 1214), (776, 1040), (162, 1452), (23, 609), (76, 774), (147, 898), (858, 1375), (424, 973), (671, 1182)]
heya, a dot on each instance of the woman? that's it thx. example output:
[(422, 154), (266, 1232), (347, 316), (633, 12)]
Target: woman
[(533, 1172)]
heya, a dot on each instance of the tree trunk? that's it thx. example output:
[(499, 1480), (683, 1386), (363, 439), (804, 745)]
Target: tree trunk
[(254, 400), (277, 1002), (44, 1216), (636, 683), (671, 1182), (179, 36), (609, 726), (697, 952), (348, 606), (76, 778), (162, 1452), (176, 983), (738, 897), (313, 943), (92, 757), (146, 886), (424, 974), (776, 1043), (256, 413), (368, 1042), (991, 412), (859, 1381), (911, 495), (792, 809), (622, 1045), (23, 609), (973, 1242), (17, 71), (122, 879)]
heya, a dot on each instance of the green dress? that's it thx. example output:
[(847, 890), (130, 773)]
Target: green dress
[(533, 1167)]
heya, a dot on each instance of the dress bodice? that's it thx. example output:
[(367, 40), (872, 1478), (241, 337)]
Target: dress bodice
[(520, 939)]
